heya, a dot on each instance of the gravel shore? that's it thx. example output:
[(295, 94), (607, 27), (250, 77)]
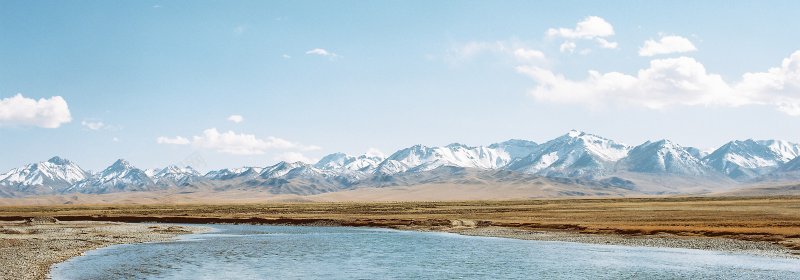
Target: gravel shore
[(29, 248), (658, 240)]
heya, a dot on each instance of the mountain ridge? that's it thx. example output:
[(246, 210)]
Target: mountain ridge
[(577, 157)]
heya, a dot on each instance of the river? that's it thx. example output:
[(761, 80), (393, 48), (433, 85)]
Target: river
[(300, 252)]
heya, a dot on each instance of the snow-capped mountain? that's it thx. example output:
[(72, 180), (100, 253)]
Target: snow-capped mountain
[(120, 176), (420, 158), (232, 173), (175, 175), (572, 155), (742, 160), (515, 148), (698, 153), (792, 165), (54, 174), (663, 157), (573, 158), (280, 169), (341, 161)]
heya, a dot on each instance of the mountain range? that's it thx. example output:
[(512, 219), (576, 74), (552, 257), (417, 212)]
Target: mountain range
[(590, 163)]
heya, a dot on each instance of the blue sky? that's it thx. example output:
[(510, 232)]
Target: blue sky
[(310, 78)]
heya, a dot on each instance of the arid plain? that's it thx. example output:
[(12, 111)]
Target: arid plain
[(774, 220)]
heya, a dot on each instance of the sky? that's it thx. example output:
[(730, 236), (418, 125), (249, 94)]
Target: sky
[(217, 84)]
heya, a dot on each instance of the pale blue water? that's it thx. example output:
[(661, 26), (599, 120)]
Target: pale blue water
[(285, 252)]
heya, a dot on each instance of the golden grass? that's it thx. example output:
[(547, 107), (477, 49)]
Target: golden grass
[(775, 219)]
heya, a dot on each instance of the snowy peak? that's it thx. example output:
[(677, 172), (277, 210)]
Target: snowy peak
[(791, 166), (119, 176), (698, 153), (58, 161), (54, 174), (515, 149), (280, 169), (422, 158), (601, 147), (231, 173), (173, 174), (573, 154), (784, 150), (749, 158), (173, 170), (344, 162), (663, 157)]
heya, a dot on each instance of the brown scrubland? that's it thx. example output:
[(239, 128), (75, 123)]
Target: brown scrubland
[(765, 219)]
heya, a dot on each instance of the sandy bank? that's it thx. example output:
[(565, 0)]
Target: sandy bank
[(29, 248)]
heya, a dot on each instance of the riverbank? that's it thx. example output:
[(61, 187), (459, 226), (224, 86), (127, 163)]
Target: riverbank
[(760, 225), (759, 248), (29, 248)]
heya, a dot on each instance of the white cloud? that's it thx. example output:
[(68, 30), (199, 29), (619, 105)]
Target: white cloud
[(528, 54), (512, 48), (672, 82), (589, 28), (779, 86), (286, 56), (236, 118), (603, 43), (115, 139), (374, 152), (177, 140), (567, 47), (46, 112), (322, 52), (667, 45), (236, 143), (93, 125), (294, 157)]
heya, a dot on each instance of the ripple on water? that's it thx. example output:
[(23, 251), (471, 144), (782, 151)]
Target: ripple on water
[(290, 252)]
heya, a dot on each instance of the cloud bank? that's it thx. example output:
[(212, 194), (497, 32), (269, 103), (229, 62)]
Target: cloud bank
[(46, 112), (681, 81)]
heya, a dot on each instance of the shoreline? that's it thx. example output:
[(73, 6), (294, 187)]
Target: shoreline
[(38, 246), (663, 240), (28, 249), (569, 233)]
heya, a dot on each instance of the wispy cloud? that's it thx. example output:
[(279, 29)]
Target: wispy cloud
[(93, 125), (667, 45), (512, 48), (46, 112), (236, 143), (528, 54), (236, 118), (177, 140), (322, 52)]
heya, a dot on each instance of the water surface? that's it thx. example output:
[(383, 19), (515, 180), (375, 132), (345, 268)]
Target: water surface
[(289, 252)]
